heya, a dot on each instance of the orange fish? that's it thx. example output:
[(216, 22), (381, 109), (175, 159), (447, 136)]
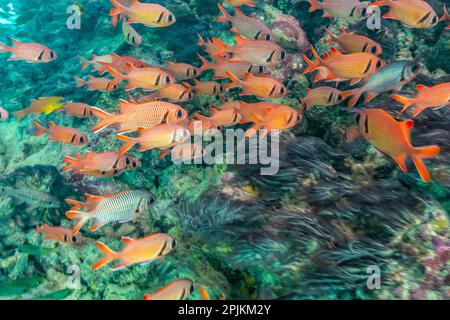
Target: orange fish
[(234, 104), (95, 62), (259, 86), (45, 105), (77, 109), (176, 290), (267, 116), (248, 27), (256, 52), (140, 251), (122, 64), (59, 234), (220, 118), (184, 152), (342, 67), (134, 115), (205, 87), (343, 9), (103, 163), (148, 78), (176, 93), (412, 13), (160, 137), (66, 135), (183, 70), (393, 138), (100, 84), (350, 42), (435, 97), (210, 47), (237, 3), (238, 68), (445, 16), (29, 52), (322, 97), (149, 14)]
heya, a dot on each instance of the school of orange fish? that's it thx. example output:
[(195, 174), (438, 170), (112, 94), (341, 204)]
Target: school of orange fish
[(164, 125)]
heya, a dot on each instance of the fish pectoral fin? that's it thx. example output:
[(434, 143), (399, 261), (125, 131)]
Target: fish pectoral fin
[(127, 239), (401, 161)]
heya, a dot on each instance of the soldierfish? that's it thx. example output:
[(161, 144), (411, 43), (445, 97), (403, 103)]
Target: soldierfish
[(149, 14), (161, 137), (220, 118), (103, 163), (210, 47), (147, 78), (321, 96), (435, 97), (122, 64), (412, 13), (238, 68), (176, 290), (342, 67), (392, 77), (140, 251), (45, 105), (183, 70), (120, 207), (59, 234), (77, 109), (66, 135), (256, 52), (29, 52), (205, 87), (134, 115), (248, 27), (175, 93), (393, 138), (95, 62), (33, 198), (343, 9), (131, 35), (259, 86), (100, 84), (350, 42)]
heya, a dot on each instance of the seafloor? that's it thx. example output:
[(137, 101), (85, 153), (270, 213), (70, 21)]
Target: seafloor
[(311, 231)]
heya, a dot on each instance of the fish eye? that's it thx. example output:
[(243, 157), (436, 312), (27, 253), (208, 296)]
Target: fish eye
[(379, 64), (414, 68), (179, 113), (220, 88), (74, 239), (191, 95), (194, 72), (167, 79), (52, 55), (151, 200), (174, 243), (127, 161), (374, 50), (191, 290), (434, 20), (282, 55), (261, 69), (363, 12), (281, 90), (268, 37), (81, 139), (170, 18), (3, 189), (357, 118)]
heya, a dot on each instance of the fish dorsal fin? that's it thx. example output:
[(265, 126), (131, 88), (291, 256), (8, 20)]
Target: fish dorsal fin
[(15, 42), (114, 56), (127, 239), (239, 12), (326, 55), (214, 111), (335, 52), (134, 2), (125, 105), (240, 40), (421, 87), (201, 117), (169, 63), (51, 124), (92, 197), (142, 129), (406, 126)]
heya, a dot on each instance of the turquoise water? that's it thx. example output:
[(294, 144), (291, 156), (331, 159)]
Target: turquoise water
[(337, 220)]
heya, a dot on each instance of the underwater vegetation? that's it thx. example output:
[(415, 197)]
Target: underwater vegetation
[(99, 103)]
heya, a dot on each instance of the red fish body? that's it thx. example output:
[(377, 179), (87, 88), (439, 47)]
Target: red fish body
[(149, 14), (100, 84), (205, 87), (62, 134), (237, 3), (343, 9), (122, 64), (238, 68), (4, 115), (29, 52), (350, 42), (59, 234), (176, 290), (322, 97), (77, 109), (259, 86), (183, 70)]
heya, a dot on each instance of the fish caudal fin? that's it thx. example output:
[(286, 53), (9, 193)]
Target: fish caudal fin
[(5, 48), (41, 129), (235, 81), (130, 142), (205, 63), (407, 102), (85, 62), (315, 5), (71, 163), (110, 255), (331, 35), (106, 119), (222, 47), (423, 153), (312, 65), (117, 75), (225, 17), (83, 217), (80, 82), (355, 94)]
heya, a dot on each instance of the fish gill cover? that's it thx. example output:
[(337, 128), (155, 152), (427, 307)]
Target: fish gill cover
[(102, 154)]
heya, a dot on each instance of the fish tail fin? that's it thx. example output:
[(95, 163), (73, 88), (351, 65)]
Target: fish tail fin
[(80, 82), (75, 205), (114, 12), (117, 75), (222, 47), (5, 48), (83, 217), (20, 114), (41, 129), (225, 17), (110, 255), (330, 34), (205, 63), (106, 119), (85, 62), (423, 153), (315, 5), (236, 82), (312, 65), (71, 163), (355, 94), (407, 102), (130, 142)]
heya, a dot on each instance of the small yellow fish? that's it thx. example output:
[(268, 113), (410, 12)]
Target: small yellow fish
[(45, 105)]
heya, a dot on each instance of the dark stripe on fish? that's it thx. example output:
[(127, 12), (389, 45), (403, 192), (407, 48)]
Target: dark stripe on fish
[(257, 35), (368, 67), (249, 70), (115, 163), (160, 17), (271, 56), (272, 90), (40, 55), (352, 13), (158, 79), (182, 294), (73, 138), (365, 47), (330, 97), (65, 237), (290, 117), (182, 94), (425, 17), (160, 253), (366, 125), (164, 119)]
